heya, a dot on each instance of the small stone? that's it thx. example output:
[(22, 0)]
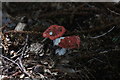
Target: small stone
[(60, 51), (22, 76), (20, 26)]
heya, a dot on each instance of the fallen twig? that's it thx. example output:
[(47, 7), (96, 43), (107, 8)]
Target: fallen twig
[(22, 67), (83, 11), (19, 64), (113, 12), (24, 48), (93, 30), (24, 32), (102, 34)]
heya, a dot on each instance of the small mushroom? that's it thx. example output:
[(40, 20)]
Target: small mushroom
[(68, 42), (54, 32)]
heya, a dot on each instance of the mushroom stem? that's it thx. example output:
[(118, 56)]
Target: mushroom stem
[(44, 40)]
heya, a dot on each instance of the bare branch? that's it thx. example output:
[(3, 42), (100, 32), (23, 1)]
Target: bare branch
[(102, 34)]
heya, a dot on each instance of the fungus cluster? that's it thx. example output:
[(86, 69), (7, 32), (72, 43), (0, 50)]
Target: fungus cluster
[(56, 32)]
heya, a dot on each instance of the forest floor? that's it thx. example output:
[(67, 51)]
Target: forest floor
[(25, 55)]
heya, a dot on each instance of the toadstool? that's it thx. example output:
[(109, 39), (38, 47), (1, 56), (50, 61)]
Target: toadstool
[(69, 42), (54, 32)]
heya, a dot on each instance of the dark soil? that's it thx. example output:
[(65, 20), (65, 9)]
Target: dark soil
[(97, 24)]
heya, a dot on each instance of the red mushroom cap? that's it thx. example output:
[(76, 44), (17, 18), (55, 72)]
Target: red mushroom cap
[(70, 42), (54, 32)]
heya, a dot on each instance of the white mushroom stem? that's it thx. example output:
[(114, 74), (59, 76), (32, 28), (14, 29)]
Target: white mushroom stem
[(57, 41)]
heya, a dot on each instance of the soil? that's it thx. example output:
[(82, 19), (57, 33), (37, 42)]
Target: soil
[(25, 55)]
